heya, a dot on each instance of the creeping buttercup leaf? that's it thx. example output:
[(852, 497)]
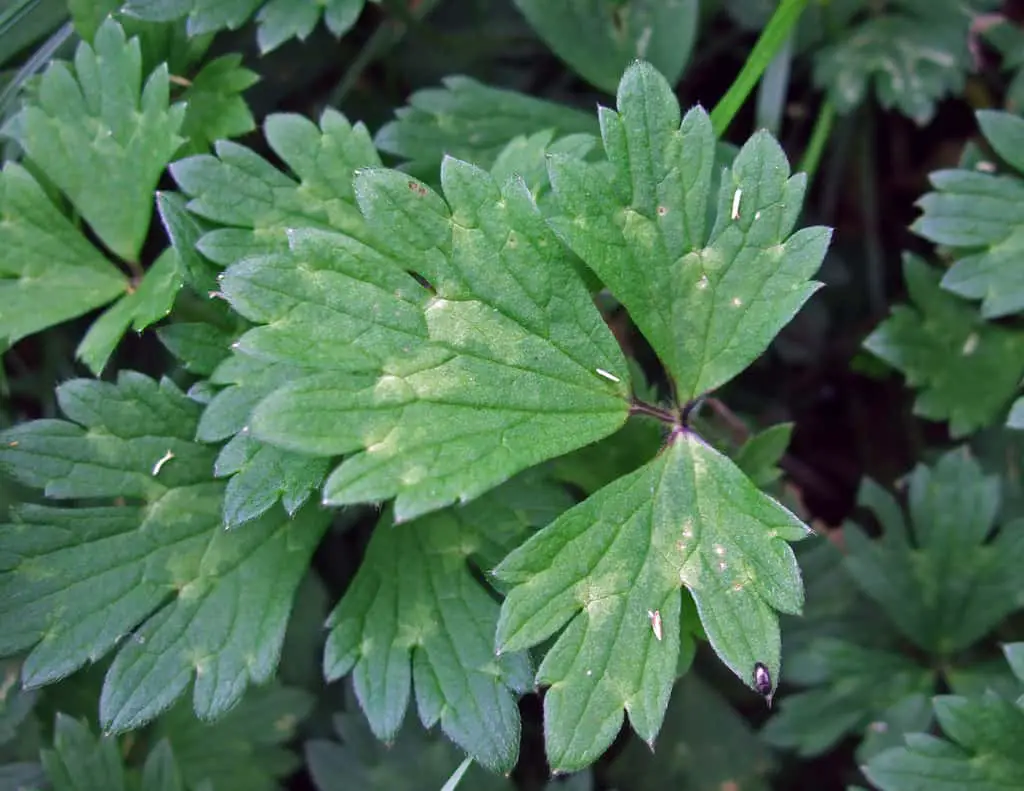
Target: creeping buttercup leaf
[(688, 518), (257, 202), (155, 577), (416, 615), (215, 107), (983, 750), (981, 216), (472, 122), (855, 686), (708, 747), (149, 302), (102, 137), (436, 393), (79, 761), (49, 272), (966, 369), (599, 39), (245, 750), (280, 20), (708, 300), (413, 761), (910, 60), (955, 583)]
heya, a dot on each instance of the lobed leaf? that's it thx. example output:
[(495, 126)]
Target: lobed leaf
[(198, 602), (102, 137), (215, 107), (49, 272), (415, 613), (437, 393), (471, 121), (980, 213), (967, 370), (709, 302), (614, 564), (957, 584), (599, 40), (240, 189)]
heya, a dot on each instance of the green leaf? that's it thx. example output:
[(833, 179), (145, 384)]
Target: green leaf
[(981, 213), (912, 61), (216, 109), (49, 272), (102, 137), (708, 303), (209, 16), (245, 750), (705, 746), (200, 347), (280, 20), (146, 305), (472, 122), (611, 569), (240, 189), (966, 369), (438, 394), (261, 475), (956, 585), (856, 687), (157, 10), (416, 613), (212, 604), (984, 753), (599, 39), (184, 231), (160, 772), (760, 454), (913, 714), (81, 762), (413, 761)]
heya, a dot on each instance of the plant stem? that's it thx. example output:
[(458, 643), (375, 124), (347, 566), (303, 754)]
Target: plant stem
[(773, 39), (819, 138), (639, 407)]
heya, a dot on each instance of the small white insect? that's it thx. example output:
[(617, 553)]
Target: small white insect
[(736, 204), (161, 462), (655, 616), (609, 376)]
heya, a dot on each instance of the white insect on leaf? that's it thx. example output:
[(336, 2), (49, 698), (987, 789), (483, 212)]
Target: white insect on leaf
[(655, 616)]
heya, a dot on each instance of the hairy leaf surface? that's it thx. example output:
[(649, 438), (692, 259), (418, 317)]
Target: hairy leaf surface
[(708, 300), (154, 575), (606, 567)]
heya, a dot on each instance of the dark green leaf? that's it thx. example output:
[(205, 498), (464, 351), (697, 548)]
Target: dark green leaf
[(857, 687), (982, 214), (241, 189), (212, 604), (160, 772), (261, 475), (955, 585), (705, 746), (708, 303), (612, 567), (81, 762), (600, 39), (200, 347), (413, 761), (911, 61), (472, 122), (437, 393), (966, 369), (415, 613), (151, 301), (245, 749), (760, 454), (49, 273), (102, 137), (984, 754), (216, 109)]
